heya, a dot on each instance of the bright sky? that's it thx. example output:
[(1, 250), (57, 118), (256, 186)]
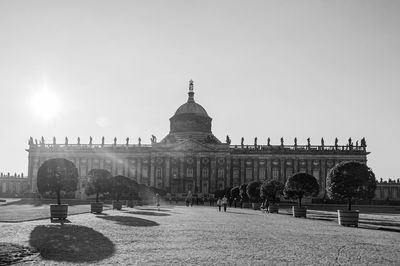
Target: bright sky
[(260, 68)]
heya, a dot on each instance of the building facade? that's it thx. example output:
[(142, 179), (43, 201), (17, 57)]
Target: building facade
[(191, 158), (13, 185)]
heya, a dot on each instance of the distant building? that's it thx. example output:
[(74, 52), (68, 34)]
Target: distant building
[(387, 191), (13, 185), (191, 158)]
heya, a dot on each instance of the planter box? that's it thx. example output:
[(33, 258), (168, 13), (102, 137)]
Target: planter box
[(256, 206), (247, 205), (117, 205), (273, 208), (96, 207), (58, 212), (348, 218), (299, 211)]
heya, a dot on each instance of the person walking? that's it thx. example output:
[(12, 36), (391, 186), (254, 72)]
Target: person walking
[(158, 201), (219, 203), (224, 202)]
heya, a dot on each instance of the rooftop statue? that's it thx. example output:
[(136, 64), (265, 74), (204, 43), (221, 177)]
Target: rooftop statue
[(242, 141), (115, 141), (228, 140), (54, 140), (322, 142), (79, 141), (139, 141), (282, 141), (308, 142), (42, 141), (336, 142), (295, 142), (66, 140), (127, 141), (268, 141), (255, 141), (90, 140), (102, 141)]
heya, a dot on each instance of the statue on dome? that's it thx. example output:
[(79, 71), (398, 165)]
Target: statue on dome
[(90, 140)]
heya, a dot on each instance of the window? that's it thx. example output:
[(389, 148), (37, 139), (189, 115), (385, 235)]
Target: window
[(275, 173), (261, 174), (289, 173), (316, 174), (189, 172), (221, 173), (158, 173), (174, 172), (249, 174), (205, 173)]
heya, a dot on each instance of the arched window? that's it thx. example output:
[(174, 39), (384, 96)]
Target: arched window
[(205, 173)]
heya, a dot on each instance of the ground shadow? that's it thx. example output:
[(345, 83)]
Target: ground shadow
[(148, 209), (130, 221), (149, 213), (70, 243), (13, 253), (228, 211)]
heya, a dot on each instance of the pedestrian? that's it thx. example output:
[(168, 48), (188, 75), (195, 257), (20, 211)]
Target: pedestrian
[(224, 202), (158, 201), (219, 203)]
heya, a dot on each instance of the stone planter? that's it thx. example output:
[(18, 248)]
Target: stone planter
[(96, 207), (58, 212), (256, 206), (348, 218), (299, 211), (273, 208), (117, 205), (130, 204)]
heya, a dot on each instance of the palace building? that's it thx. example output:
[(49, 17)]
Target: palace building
[(191, 158)]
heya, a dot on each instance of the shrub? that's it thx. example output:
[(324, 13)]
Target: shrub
[(301, 185), (253, 191), (270, 190), (351, 180), (99, 181), (243, 193), (120, 186), (56, 176)]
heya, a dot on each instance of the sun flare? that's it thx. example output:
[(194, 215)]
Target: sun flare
[(46, 104)]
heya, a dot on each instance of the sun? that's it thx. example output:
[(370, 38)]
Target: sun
[(46, 104)]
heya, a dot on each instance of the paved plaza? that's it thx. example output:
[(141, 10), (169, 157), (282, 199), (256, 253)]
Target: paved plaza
[(200, 235)]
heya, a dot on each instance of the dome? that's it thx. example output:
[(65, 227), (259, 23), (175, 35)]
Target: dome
[(191, 108)]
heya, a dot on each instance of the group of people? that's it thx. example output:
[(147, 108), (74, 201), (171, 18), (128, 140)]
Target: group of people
[(222, 202)]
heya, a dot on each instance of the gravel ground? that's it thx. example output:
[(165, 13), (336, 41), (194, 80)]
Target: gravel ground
[(201, 236)]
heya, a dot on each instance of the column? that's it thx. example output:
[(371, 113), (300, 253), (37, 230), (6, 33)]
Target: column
[(152, 178), (242, 171), (283, 172), (255, 170), (269, 169), (228, 174), (198, 174), (213, 179), (323, 177), (139, 169)]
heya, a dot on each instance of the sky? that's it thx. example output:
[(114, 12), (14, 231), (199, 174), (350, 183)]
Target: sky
[(305, 69)]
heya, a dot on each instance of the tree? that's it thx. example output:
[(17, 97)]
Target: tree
[(57, 175), (351, 180), (120, 185), (271, 189), (243, 193), (253, 191), (235, 192), (99, 181), (301, 185)]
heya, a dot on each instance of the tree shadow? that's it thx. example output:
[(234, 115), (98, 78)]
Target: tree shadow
[(130, 221), (148, 213), (70, 243)]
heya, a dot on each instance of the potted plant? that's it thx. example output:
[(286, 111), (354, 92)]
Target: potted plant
[(57, 176), (253, 192), (99, 181), (298, 186), (244, 198), (270, 191), (349, 181), (120, 185)]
